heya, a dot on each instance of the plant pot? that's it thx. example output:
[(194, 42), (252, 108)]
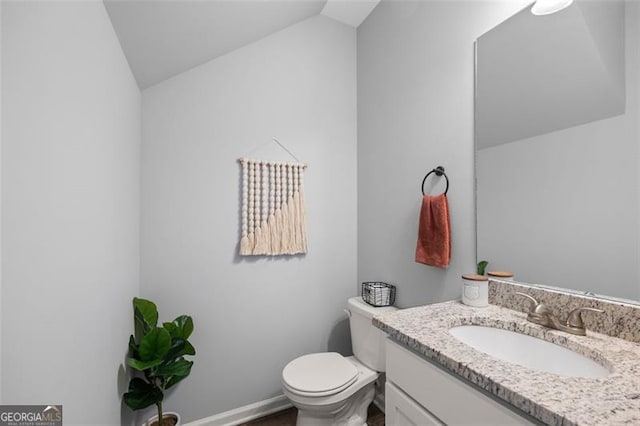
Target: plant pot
[(475, 290), (153, 421)]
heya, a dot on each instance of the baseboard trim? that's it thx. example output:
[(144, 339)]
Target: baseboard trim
[(245, 414)]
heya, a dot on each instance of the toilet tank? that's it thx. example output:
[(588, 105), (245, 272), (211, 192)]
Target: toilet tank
[(367, 340)]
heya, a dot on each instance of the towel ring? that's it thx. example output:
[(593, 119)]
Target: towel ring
[(439, 171)]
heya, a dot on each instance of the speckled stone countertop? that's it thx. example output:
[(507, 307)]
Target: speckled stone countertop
[(550, 398)]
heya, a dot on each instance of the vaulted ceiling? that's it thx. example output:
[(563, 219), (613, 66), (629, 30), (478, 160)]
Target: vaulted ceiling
[(163, 38)]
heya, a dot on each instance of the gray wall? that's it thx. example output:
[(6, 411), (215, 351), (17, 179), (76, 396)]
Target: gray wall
[(252, 315), (415, 112), (70, 209)]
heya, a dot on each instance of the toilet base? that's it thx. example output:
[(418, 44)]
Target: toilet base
[(352, 412)]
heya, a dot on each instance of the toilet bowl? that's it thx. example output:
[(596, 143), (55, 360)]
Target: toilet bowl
[(330, 389)]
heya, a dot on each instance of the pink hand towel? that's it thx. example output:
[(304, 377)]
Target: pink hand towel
[(434, 232)]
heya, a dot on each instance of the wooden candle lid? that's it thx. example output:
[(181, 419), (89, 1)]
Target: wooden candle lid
[(475, 277), (500, 274)]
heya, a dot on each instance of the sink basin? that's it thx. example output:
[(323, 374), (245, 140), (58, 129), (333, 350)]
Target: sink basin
[(528, 351)]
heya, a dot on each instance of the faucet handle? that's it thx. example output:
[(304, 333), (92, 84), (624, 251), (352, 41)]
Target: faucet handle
[(537, 307), (535, 302), (575, 317), (539, 313)]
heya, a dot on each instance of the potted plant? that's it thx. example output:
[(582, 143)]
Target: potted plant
[(158, 353), (481, 267), (475, 289)]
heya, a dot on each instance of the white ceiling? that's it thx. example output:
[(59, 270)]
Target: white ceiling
[(350, 12), (163, 38)]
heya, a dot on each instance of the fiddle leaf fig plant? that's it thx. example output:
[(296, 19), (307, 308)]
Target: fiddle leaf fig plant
[(158, 354)]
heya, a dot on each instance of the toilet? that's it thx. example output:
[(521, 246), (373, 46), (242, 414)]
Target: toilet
[(330, 389)]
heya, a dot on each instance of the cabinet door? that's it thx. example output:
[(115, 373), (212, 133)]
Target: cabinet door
[(450, 399), (400, 410)]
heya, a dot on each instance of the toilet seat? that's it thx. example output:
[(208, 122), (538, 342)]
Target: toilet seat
[(319, 374)]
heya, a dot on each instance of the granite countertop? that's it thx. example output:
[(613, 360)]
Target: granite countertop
[(550, 398)]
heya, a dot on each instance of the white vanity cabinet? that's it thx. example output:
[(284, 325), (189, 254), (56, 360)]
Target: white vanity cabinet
[(420, 393)]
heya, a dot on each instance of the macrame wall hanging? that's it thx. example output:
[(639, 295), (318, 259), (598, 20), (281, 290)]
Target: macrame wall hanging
[(274, 219)]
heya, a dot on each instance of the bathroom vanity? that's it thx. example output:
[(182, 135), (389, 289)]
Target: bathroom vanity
[(433, 378), (418, 392)]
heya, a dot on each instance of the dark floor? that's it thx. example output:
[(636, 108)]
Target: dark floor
[(375, 417)]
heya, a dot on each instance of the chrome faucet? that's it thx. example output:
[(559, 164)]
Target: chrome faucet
[(542, 315)]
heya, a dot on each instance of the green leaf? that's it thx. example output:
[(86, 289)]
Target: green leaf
[(174, 379), (189, 349), (482, 266), (155, 344), (145, 317), (148, 310), (179, 367), (176, 350), (143, 365), (171, 328), (142, 394), (179, 347), (133, 347), (181, 327)]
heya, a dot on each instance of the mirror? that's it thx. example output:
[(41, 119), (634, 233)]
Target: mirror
[(557, 148)]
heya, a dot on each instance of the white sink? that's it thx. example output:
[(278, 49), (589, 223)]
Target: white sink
[(528, 351)]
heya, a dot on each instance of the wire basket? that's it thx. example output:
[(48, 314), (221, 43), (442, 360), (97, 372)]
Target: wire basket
[(378, 294)]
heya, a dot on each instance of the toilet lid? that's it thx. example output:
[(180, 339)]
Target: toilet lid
[(321, 373)]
